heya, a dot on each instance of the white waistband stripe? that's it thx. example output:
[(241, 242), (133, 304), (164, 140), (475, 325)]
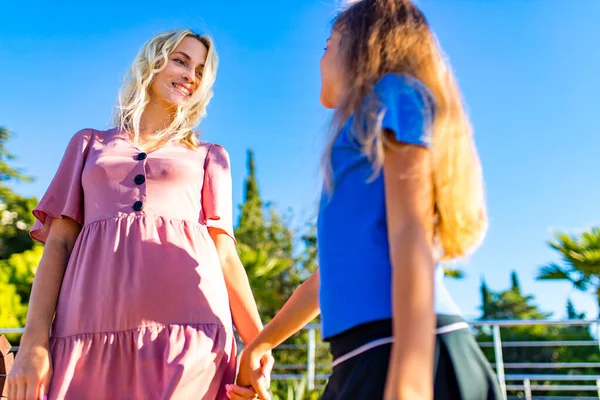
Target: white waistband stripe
[(451, 328), (380, 342), (362, 349)]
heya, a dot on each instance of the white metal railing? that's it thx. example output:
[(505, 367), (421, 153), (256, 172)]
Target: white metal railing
[(527, 387), (508, 382)]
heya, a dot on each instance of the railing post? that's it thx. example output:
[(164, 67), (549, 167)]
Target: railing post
[(527, 386), (596, 327), (598, 386), (499, 360), (312, 346)]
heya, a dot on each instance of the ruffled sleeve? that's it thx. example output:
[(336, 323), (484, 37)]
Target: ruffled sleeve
[(217, 204), (407, 108), (64, 196)]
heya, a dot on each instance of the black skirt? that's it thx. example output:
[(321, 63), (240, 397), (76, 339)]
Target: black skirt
[(461, 370)]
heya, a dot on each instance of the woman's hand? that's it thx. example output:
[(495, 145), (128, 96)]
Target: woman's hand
[(255, 372), (236, 392), (30, 376)]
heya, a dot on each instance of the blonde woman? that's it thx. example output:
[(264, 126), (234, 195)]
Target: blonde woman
[(403, 191), (140, 280)]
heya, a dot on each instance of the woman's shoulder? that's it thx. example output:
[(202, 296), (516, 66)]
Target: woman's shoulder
[(211, 147), (83, 140), (86, 134), (214, 152), (80, 140)]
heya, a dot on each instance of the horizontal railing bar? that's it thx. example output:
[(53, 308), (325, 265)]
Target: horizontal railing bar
[(298, 377), (12, 330), (476, 323), (536, 397), (528, 322), (289, 366), (558, 388), (551, 365), (292, 366), (286, 377), (514, 322), (299, 346), (548, 377), (566, 388), (543, 343)]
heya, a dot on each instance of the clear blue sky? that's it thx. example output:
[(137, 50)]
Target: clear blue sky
[(528, 68)]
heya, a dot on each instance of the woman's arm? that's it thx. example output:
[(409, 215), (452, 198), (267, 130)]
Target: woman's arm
[(243, 307), (48, 278), (409, 199), (31, 373)]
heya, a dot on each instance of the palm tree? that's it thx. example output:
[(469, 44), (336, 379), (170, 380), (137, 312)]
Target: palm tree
[(580, 262)]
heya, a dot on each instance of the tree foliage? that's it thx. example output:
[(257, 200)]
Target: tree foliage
[(580, 261), (18, 256)]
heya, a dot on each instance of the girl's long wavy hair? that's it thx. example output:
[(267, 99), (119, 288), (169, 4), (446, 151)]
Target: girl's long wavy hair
[(134, 95), (392, 36)]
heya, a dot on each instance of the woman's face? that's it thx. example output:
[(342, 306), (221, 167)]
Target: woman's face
[(176, 83)]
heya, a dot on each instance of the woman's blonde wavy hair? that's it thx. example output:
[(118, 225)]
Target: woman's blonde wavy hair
[(134, 95), (392, 36)]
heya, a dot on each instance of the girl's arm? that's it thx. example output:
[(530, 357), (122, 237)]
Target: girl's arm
[(299, 310), (409, 199), (31, 373)]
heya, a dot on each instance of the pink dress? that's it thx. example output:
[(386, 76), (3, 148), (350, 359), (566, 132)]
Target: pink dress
[(143, 311)]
